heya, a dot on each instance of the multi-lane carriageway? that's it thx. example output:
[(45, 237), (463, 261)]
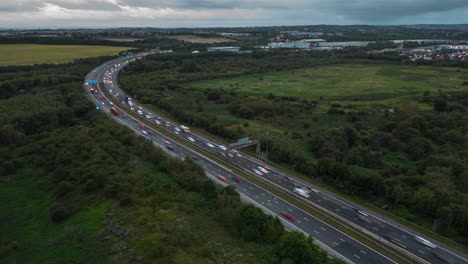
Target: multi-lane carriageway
[(344, 246)]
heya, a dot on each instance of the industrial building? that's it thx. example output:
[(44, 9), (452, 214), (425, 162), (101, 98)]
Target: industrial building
[(228, 49), (289, 45), (302, 33), (343, 44)]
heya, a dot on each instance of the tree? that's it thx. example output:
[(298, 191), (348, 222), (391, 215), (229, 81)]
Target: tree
[(300, 249), (440, 105)]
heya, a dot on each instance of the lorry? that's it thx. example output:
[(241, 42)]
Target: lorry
[(185, 129)]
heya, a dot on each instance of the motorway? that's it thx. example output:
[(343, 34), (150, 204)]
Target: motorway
[(350, 249)]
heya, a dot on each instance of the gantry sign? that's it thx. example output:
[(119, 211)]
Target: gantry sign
[(242, 143)]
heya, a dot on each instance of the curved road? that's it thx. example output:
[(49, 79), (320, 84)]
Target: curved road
[(349, 249)]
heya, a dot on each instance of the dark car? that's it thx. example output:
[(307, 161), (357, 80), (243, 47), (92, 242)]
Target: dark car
[(170, 148)]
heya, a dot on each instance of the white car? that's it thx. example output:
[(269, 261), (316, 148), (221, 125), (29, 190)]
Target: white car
[(148, 116), (177, 129), (222, 147), (257, 172), (301, 192), (262, 169), (144, 132), (157, 122), (140, 112), (191, 139), (210, 145), (177, 133), (425, 242)]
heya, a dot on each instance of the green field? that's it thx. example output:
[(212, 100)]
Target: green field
[(349, 82), (25, 54)]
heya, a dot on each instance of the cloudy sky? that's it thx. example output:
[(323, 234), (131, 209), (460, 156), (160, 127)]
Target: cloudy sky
[(210, 13)]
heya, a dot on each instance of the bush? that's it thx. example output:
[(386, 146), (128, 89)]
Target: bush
[(58, 213)]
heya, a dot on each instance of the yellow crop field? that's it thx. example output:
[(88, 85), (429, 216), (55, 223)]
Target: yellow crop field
[(25, 54)]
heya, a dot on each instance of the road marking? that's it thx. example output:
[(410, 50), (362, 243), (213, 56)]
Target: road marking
[(355, 218), (421, 251), (342, 239), (299, 222), (322, 228), (403, 236), (318, 200), (276, 202), (256, 196), (357, 256), (363, 252), (250, 187), (376, 228), (335, 243), (316, 231), (306, 219), (290, 209), (337, 209), (263, 194)]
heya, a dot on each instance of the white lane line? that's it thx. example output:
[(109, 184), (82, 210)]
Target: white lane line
[(316, 231), (342, 239), (276, 202), (306, 219), (256, 196), (251, 187), (290, 209), (357, 256), (322, 228), (337, 209), (299, 222), (319, 201), (263, 194), (335, 243), (403, 236), (363, 252), (375, 228), (422, 251)]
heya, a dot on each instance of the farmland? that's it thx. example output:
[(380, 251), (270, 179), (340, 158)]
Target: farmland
[(25, 54)]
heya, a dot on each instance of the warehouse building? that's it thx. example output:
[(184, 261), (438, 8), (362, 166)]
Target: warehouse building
[(228, 49)]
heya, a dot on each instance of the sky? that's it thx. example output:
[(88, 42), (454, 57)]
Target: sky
[(226, 13)]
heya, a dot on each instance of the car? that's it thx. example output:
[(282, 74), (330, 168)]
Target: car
[(392, 238), (170, 148), (360, 212), (150, 132), (290, 217), (134, 120), (142, 126), (425, 242), (140, 112), (102, 97), (157, 122), (238, 180), (257, 172), (265, 167), (301, 192), (222, 178), (312, 189), (363, 218), (177, 133), (144, 132), (102, 103), (191, 139), (221, 153), (210, 145), (289, 178), (148, 116), (262, 169), (177, 129), (168, 142), (168, 125), (222, 147), (124, 116), (111, 103), (195, 157)]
